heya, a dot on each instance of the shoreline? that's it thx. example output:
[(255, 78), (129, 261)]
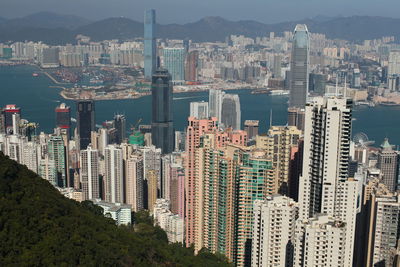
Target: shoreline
[(63, 89)]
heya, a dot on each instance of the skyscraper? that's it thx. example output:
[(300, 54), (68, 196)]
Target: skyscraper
[(296, 118), (30, 156), (49, 57), (251, 128), (215, 102), (273, 231), (191, 66), (120, 126), (113, 176), (162, 129), (199, 110), (394, 63), (47, 170), (151, 189), (299, 67), (383, 228), (388, 164), (277, 70), (134, 182), (85, 121), (217, 173), (174, 62), (324, 184), (256, 182), (63, 118), (278, 142), (89, 173), (230, 111), (326, 154), (196, 128), (150, 46), (57, 153), (322, 243), (8, 117)]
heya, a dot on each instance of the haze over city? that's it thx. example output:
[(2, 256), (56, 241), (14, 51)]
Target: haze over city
[(184, 11)]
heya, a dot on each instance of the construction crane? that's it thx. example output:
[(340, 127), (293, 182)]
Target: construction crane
[(133, 127)]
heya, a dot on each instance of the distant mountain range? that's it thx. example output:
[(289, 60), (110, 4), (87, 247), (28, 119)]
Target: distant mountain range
[(60, 29)]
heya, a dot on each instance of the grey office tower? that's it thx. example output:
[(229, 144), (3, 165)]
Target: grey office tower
[(162, 130), (120, 126), (150, 48), (299, 67), (85, 121)]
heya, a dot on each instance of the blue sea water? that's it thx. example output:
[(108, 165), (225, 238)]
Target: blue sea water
[(38, 101)]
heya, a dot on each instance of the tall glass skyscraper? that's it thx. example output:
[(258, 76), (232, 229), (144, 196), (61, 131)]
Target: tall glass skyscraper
[(174, 62), (162, 129), (85, 121), (299, 67), (230, 111), (150, 48)]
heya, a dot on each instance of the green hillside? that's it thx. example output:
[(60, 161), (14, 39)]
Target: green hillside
[(39, 227)]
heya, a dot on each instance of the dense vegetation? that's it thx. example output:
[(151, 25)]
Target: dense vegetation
[(39, 227)]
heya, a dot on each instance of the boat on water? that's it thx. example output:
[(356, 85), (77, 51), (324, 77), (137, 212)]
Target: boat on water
[(35, 74), (279, 92), (365, 103)]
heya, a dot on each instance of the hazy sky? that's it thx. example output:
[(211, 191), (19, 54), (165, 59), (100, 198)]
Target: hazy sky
[(182, 11)]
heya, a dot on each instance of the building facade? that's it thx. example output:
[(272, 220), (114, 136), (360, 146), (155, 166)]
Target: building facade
[(162, 128), (299, 67), (150, 44)]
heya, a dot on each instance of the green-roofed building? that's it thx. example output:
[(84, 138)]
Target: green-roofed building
[(136, 138)]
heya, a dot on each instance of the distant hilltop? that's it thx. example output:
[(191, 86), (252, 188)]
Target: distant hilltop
[(57, 29)]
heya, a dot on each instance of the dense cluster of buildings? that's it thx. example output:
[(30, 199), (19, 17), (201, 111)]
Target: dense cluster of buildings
[(368, 72), (302, 194)]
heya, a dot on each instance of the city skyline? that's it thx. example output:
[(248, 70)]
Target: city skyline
[(304, 191)]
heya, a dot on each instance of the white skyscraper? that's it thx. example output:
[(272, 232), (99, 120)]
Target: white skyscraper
[(13, 147), (320, 241), (113, 178), (326, 154), (30, 156), (273, 231), (324, 187), (89, 175), (199, 110)]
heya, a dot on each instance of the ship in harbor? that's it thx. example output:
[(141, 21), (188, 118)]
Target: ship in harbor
[(279, 92), (35, 74)]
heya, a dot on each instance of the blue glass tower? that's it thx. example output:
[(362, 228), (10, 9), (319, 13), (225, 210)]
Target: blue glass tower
[(150, 49)]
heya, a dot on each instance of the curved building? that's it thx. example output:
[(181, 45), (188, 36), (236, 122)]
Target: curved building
[(230, 111)]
